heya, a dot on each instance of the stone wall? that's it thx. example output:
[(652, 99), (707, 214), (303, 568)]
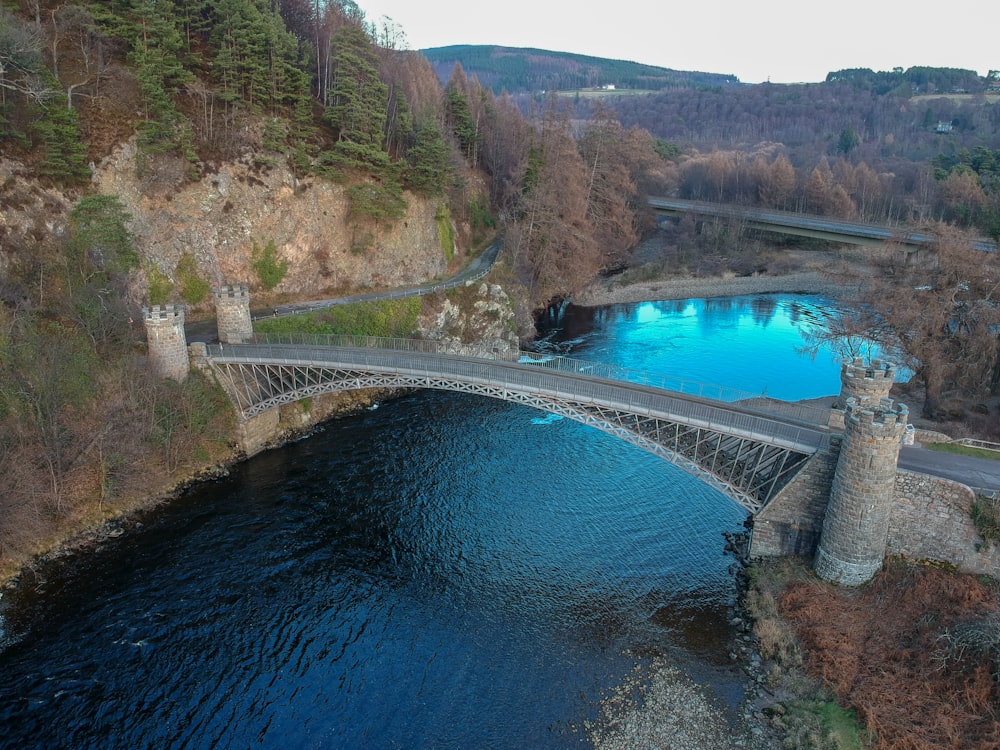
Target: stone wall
[(931, 520), (255, 434), (791, 523)]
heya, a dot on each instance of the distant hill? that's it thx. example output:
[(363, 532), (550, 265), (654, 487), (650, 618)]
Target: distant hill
[(523, 70)]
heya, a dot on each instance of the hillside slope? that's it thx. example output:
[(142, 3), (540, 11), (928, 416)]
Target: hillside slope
[(525, 71)]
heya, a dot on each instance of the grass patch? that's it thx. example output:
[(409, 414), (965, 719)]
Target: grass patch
[(963, 450), (445, 234), (603, 93), (957, 98), (269, 266), (394, 318), (160, 287), (193, 288), (841, 725), (817, 724), (986, 518)]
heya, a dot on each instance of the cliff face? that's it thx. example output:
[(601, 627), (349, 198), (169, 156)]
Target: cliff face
[(476, 321), (218, 219)]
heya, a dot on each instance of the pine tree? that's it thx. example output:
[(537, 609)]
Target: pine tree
[(157, 54), (428, 169), (65, 157), (459, 118), (358, 97), (400, 134)]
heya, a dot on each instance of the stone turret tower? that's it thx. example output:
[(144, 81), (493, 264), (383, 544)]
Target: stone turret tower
[(853, 541), (232, 313), (860, 381), (166, 343)]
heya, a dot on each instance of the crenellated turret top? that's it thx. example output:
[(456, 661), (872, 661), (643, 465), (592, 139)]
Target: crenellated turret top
[(163, 312), (883, 419), (874, 370), (863, 381), (232, 291)]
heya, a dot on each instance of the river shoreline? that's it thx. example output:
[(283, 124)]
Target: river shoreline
[(604, 291), (610, 291)]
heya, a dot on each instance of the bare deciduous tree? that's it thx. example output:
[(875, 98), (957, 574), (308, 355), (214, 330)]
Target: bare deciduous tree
[(21, 62), (941, 311)]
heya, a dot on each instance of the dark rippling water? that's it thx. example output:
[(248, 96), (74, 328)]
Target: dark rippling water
[(446, 571)]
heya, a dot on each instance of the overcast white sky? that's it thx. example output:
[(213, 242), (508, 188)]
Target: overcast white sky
[(779, 40)]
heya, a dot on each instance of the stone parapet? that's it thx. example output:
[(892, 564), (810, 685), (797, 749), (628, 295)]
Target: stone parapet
[(166, 343), (232, 313)]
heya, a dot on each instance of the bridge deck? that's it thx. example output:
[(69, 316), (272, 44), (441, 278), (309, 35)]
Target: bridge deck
[(743, 450), (807, 225), (736, 419)]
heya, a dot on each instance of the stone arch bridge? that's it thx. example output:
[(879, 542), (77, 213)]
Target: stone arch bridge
[(746, 446)]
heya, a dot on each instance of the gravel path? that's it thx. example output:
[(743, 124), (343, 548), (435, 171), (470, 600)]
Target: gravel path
[(610, 292)]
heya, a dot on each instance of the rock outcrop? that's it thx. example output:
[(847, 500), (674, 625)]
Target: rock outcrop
[(218, 220)]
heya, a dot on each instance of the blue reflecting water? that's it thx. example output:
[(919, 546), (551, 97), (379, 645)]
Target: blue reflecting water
[(446, 571), (753, 343)]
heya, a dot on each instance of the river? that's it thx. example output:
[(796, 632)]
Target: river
[(444, 571)]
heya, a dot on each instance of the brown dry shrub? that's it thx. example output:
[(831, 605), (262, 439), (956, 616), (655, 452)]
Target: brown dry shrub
[(775, 638), (878, 648)]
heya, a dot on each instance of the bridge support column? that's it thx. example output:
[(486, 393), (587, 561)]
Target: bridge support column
[(232, 313), (254, 434), (791, 523), (166, 343), (852, 544)]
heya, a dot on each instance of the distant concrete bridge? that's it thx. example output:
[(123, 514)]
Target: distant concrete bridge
[(805, 225), (747, 447)]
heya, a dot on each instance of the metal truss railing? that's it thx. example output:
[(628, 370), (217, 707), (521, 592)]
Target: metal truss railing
[(601, 370), (744, 453)]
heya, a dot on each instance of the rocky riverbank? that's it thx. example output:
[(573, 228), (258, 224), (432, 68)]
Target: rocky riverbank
[(671, 712), (659, 706)]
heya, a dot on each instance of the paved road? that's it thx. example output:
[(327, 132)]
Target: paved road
[(978, 473), (205, 331), (809, 224)]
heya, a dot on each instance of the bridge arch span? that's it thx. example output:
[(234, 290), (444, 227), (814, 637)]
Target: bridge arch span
[(745, 454)]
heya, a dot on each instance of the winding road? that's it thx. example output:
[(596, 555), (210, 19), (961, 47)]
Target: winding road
[(205, 331)]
